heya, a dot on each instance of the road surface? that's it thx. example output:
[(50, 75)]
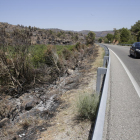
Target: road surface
[(123, 106)]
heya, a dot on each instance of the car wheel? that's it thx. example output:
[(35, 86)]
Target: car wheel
[(130, 53), (135, 55)]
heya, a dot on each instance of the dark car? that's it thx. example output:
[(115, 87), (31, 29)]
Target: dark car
[(135, 50)]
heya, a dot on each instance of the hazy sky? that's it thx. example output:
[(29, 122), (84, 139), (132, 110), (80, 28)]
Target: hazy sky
[(95, 15)]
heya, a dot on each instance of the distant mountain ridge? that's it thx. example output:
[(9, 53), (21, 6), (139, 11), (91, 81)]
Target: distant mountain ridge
[(98, 33), (85, 32)]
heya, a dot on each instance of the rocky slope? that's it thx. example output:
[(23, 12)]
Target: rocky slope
[(51, 36), (43, 36)]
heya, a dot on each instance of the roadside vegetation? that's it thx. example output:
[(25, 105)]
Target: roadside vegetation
[(24, 65), (28, 65), (33, 76), (87, 106), (90, 38), (123, 36)]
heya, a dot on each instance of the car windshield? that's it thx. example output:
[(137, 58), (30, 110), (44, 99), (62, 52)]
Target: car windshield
[(138, 45)]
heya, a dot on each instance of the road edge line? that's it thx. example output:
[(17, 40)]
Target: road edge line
[(133, 81)]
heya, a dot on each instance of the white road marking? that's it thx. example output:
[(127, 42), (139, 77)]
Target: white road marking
[(136, 86)]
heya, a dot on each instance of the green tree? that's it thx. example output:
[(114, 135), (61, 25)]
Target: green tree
[(116, 35), (100, 40), (59, 34), (138, 37), (109, 37), (136, 27), (106, 40), (90, 38), (125, 35)]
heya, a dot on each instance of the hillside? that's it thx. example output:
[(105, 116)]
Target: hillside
[(33, 78), (41, 36), (51, 36)]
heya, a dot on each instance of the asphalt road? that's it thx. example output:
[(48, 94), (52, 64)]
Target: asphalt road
[(123, 106), (131, 63)]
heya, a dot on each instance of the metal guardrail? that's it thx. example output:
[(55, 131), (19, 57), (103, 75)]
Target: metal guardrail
[(98, 129)]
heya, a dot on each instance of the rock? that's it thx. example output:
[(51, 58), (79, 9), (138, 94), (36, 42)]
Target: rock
[(29, 105), (70, 71), (3, 122), (18, 102)]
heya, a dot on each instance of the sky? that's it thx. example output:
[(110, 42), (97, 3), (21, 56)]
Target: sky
[(77, 15)]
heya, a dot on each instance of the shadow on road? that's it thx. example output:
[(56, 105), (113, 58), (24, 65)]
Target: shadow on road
[(133, 57)]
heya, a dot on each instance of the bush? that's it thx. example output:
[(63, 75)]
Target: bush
[(78, 46), (87, 106), (100, 40), (51, 56), (109, 37), (90, 38), (37, 53), (60, 48), (67, 53), (106, 40), (125, 35)]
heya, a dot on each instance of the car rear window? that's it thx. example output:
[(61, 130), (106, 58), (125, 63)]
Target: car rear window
[(138, 45)]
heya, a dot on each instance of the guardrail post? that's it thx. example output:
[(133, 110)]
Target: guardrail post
[(106, 60), (100, 71)]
